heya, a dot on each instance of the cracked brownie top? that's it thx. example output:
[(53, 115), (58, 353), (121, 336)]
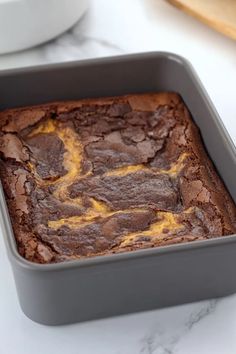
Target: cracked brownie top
[(102, 176)]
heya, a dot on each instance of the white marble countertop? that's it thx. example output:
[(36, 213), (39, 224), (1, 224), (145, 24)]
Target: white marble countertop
[(110, 28)]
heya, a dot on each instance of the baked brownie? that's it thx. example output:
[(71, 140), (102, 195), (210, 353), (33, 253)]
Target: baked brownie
[(103, 176)]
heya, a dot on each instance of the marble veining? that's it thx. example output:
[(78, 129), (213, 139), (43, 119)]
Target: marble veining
[(114, 28), (159, 340), (78, 43)]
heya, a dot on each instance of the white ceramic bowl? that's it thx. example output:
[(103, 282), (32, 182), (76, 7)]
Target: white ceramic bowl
[(26, 23)]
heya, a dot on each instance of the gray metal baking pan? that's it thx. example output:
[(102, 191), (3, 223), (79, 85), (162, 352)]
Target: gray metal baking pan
[(104, 286)]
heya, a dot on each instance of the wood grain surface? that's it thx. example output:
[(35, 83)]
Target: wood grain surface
[(218, 14)]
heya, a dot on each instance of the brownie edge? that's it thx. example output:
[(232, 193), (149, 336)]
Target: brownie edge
[(103, 176)]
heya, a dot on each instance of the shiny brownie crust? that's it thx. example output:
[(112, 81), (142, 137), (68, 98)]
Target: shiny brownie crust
[(102, 176)]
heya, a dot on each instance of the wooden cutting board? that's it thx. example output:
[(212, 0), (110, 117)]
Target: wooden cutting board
[(219, 14)]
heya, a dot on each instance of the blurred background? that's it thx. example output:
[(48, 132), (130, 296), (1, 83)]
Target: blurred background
[(103, 28), (79, 29)]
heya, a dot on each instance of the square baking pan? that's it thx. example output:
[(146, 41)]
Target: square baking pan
[(104, 286)]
